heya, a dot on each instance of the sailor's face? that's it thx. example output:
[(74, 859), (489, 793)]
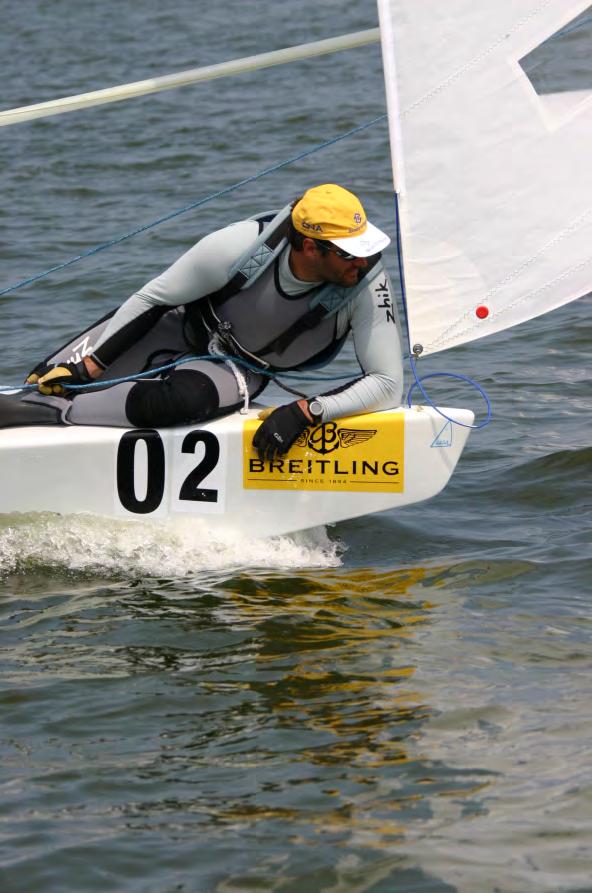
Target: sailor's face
[(339, 271)]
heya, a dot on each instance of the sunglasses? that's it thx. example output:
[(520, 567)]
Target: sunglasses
[(326, 246)]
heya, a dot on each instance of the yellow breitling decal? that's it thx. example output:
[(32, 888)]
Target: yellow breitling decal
[(357, 454)]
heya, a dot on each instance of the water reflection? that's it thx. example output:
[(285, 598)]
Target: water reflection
[(335, 712), (329, 660), (256, 704)]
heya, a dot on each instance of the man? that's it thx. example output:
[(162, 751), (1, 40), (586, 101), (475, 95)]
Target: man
[(277, 293)]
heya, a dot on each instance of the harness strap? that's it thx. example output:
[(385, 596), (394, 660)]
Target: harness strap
[(248, 268), (279, 344), (325, 301)]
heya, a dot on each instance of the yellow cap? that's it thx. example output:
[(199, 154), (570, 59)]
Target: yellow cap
[(334, 214)]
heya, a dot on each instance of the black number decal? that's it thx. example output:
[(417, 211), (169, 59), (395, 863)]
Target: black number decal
[(191, 489), (126, 455)]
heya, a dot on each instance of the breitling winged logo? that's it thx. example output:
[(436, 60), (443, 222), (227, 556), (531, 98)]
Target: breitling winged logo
[(328, 437), (352, 437)]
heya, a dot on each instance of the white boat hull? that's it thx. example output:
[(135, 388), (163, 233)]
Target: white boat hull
[(348, 468)]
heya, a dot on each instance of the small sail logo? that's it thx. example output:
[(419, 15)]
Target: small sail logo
[(328, 437), (444, 437)]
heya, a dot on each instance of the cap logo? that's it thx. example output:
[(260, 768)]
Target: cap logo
[(313, 227), (360, 224)]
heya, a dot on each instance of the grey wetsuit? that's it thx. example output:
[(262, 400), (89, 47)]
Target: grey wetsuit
[(151, 327)]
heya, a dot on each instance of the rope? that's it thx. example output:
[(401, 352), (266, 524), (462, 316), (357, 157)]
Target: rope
[(418, 384), (230, 360), (219, 358), (215, 349), (202, 201)]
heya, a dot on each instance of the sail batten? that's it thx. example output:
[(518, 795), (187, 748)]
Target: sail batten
[(496, 215)]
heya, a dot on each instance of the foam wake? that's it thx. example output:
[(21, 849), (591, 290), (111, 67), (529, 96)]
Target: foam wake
[(175, 548)]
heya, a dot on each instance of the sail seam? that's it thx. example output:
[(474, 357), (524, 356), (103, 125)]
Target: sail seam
[(453, 331), (475, 61), (567, 231), (516, 303), (575, 269)]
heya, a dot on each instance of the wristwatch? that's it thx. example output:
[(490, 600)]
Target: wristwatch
[(315, 408)]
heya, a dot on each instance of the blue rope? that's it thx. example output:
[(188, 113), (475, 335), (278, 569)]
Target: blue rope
[(294, 375), (191, 207), (218, 358), (418, 380), (103, 246), (418, 384), (150, 373)]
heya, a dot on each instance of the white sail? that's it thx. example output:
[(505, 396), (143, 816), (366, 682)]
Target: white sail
[(493, 171)]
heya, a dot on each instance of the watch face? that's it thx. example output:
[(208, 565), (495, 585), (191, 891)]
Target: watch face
[(316, 410)]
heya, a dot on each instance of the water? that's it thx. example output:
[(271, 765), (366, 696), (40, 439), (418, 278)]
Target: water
[(397, 703)]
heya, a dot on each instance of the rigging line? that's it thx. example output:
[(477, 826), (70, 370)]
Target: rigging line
[(419, 379), (418, 383), (220, 358), (192, 206), (191, 76)]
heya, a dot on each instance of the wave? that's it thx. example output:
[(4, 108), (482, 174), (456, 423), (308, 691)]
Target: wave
[(561, 461), (555, 478), (176, 548)]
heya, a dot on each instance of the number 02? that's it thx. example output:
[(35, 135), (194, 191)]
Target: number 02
[(156, 469)]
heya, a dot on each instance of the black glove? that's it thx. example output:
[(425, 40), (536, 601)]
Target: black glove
[(279, 431), (36, 373), (50, 379)]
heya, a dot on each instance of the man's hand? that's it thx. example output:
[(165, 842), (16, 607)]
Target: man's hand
[(279, 430), (39, 370), (50, 380)]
